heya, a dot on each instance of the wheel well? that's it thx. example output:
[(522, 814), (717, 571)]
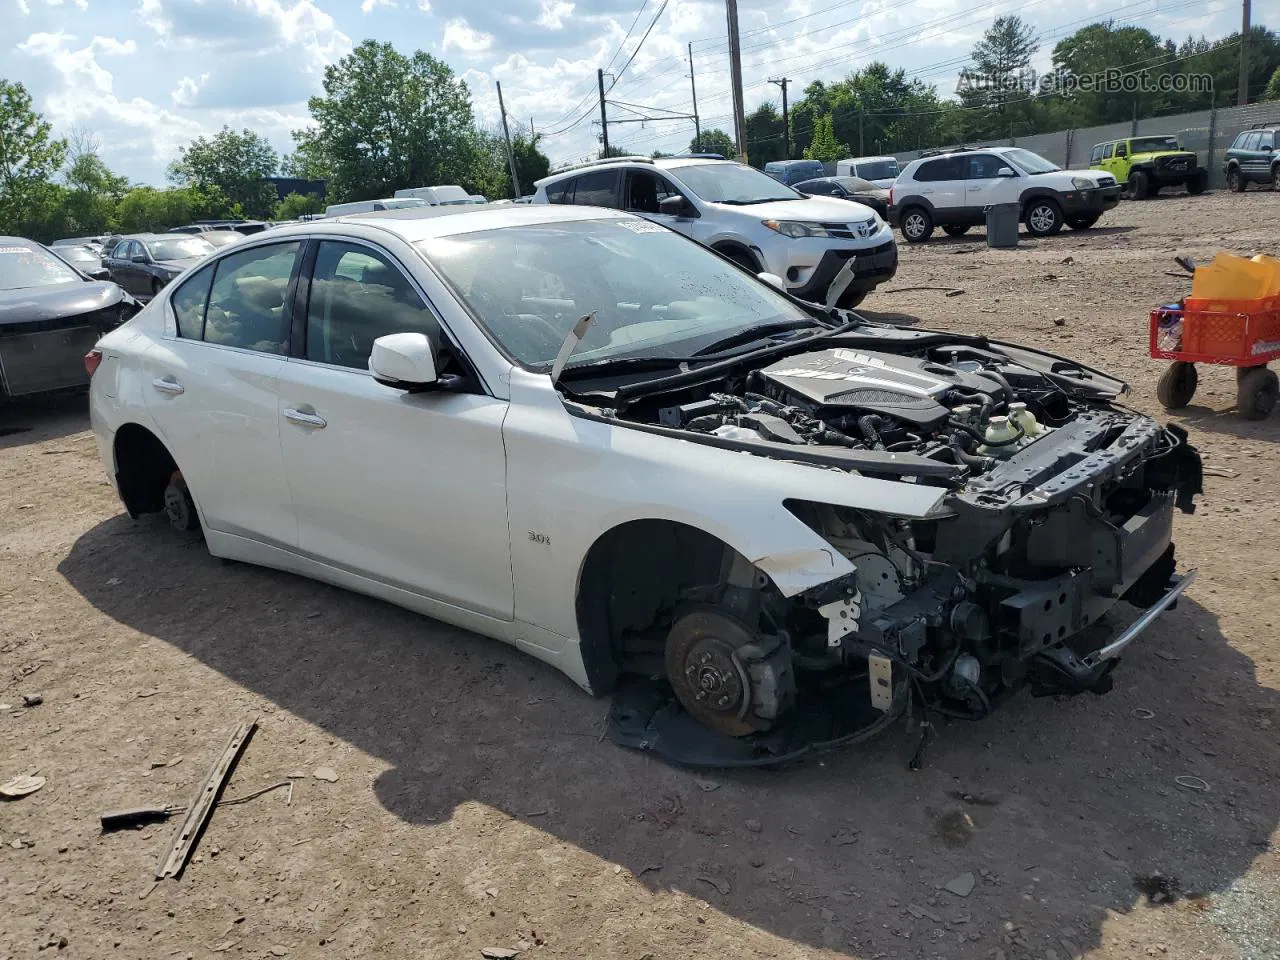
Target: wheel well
[(144, 468), (632, 579), (737, 251)]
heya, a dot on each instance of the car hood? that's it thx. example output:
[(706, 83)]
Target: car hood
[(33, 304), (822, 209), (1095, 175), (1161, 154)]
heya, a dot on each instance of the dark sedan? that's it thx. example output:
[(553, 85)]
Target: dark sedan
[(144, 263), (51, 315), (83, 259), (848, 188)]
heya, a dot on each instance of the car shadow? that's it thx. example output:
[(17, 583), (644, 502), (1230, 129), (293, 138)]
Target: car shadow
[(1053, 806), (1228, 421), (46, 417)]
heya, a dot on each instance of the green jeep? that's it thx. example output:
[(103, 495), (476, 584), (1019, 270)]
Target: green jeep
[(1145, 164)]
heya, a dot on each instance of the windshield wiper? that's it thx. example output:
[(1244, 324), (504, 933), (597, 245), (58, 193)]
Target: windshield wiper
[(597, 368), (747, 203), (751, 335)]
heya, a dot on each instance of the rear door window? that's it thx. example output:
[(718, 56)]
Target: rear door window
[(944, 168), (247, 301), (189, 302), (596, 189)]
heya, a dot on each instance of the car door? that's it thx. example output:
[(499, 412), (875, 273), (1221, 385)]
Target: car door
[(122, 265), (643, 192), (405, 488), (942, 183), (1265, 154), (213, 389), (982, 185)]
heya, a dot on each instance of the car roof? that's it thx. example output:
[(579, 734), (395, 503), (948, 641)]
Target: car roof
[(661, 163), (413, 224)]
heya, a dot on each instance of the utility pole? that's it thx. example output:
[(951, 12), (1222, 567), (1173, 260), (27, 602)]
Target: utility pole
[(786, 119), (604, 120), (1242, 97), (697, 130), (506, 135), (735, 73), (862, 152), (533, 134)]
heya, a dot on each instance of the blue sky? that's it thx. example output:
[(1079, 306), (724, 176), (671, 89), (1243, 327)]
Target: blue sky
[(146, 76)]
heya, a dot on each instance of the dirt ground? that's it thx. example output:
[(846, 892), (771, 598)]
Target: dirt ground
[(476, 804)]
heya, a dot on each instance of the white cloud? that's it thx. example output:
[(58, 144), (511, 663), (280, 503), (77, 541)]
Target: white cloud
[(554, 13), (186, 92), (424, 6), (368, 5), (458, 35)]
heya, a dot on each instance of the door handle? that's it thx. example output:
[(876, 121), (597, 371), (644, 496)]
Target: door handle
[(975, 189), (315, 421), (168, 385)]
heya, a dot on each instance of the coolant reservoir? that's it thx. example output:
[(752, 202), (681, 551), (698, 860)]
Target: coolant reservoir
[(1019, 414), (999, 430)]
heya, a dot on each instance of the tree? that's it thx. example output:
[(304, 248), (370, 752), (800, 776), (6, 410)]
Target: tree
[(307, 162), (531, 163), (146, 209), (296, 205), (1097, 48), (387, 121), (234, 164), (766, 141), (714, 140), (996, 89), (1273, 87), (29, 159), (92, 189), (824, 145)]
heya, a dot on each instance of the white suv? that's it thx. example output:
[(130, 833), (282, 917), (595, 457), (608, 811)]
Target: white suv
[(952, 189), (747, 216)]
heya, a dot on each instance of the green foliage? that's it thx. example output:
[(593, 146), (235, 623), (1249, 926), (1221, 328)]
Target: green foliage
[(824, 145), (235, 164), (995, 92), (387, 121), (296, 205), (531, 163), (715, 140), (146, 209), (29, 159), (765, 140), (1273, 87)]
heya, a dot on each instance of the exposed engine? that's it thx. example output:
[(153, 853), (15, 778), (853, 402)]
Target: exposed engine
[(967, 406)]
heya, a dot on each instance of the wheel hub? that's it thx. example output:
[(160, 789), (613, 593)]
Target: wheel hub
[(720, 683)]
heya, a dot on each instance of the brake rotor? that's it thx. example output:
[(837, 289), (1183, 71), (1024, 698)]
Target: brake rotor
[(710, 682)]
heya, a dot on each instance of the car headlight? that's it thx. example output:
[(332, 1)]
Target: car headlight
[(1080, 183), (795, 229)]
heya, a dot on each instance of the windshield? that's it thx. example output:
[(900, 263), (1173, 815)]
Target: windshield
[(220, 238), (179, 248), (1153, 144), (78, 254), (732, 183), (1029, 162), (878, 170), (22, 266), (653, 293)]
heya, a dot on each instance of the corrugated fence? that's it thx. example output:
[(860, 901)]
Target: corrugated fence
[(1208, 132)]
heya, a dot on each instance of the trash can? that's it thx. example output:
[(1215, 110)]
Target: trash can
[(1002, 225)]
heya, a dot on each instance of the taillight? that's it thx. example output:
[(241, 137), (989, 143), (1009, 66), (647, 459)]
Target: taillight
[(92, 360), (891, 196)]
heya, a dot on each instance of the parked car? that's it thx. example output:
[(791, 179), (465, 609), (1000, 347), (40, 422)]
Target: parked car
[(849, 188), (952, 189), (813, 245), (84, 259), (793, 171), (881, 171), (50, 316), (145, 262), (371, 206), (1145, 165), (439, 196), (222, 238), (93, 243), (585, 435), (1253, 158)]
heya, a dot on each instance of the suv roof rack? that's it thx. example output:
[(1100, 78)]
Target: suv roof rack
[(941, 150), (697, 156), (602, 160), (1265, 123)]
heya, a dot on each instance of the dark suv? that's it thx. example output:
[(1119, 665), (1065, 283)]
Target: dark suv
[(1254, 157)]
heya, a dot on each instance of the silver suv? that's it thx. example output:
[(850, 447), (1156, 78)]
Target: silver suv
[(819, 249)]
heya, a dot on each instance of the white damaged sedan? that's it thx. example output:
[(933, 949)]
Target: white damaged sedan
[(576, 431)]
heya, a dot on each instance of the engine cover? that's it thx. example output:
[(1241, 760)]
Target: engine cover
[(831, 382)]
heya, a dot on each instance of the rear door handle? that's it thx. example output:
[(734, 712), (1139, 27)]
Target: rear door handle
[(315, 421), (168, 385)]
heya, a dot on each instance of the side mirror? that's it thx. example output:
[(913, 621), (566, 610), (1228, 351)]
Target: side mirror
[(406, 361), (139, 258), (773, 280), (676, 206), (1005, 172)]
